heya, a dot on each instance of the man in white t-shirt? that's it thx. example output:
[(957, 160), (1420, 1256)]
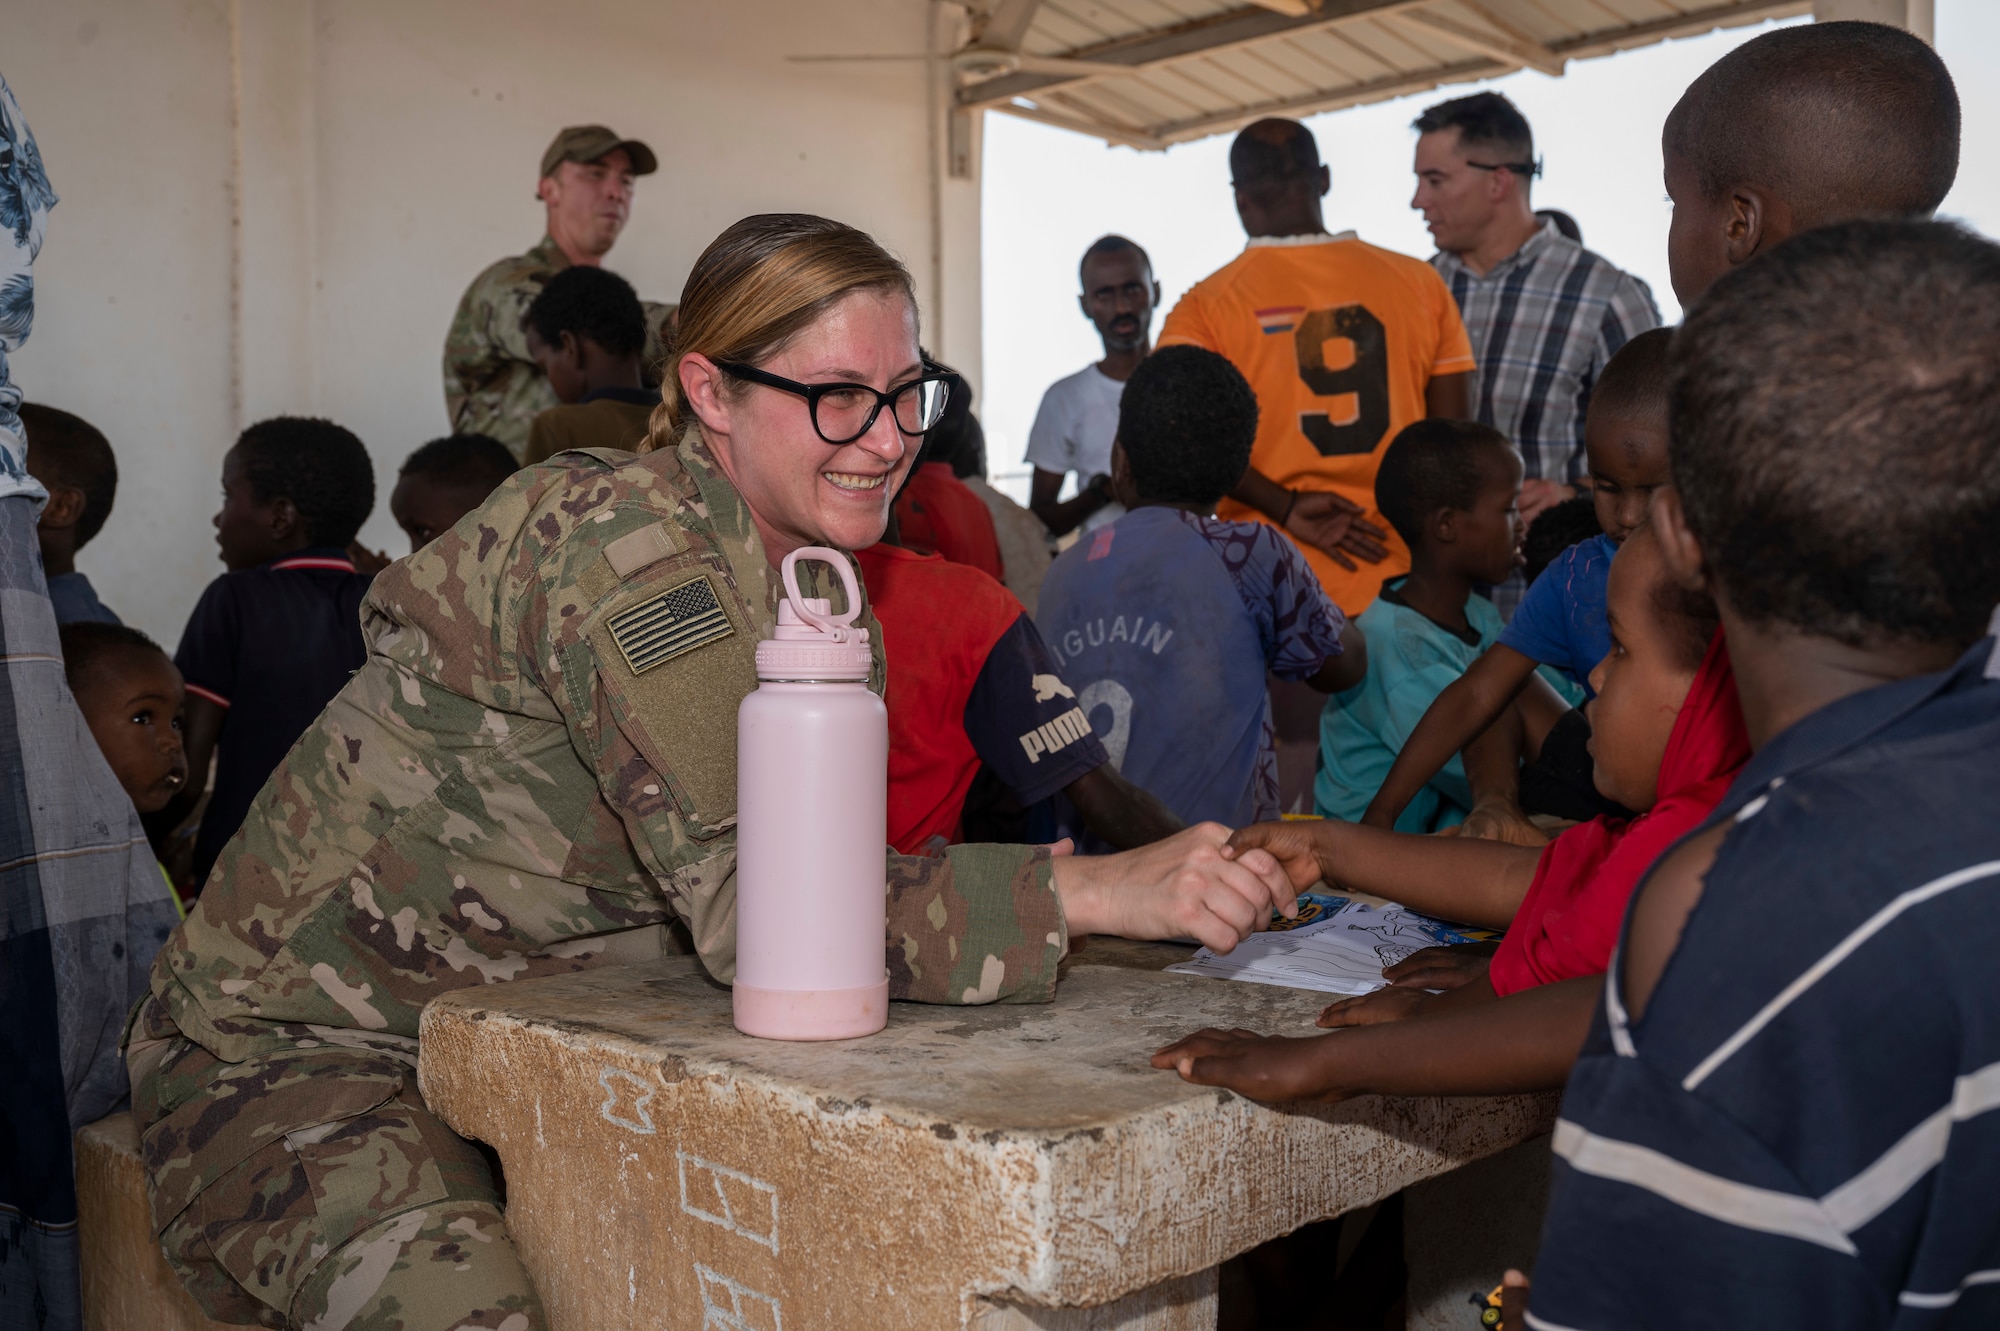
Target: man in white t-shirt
[(1079, 415)]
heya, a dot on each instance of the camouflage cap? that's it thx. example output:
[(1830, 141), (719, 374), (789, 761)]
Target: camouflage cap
[(587, 143)]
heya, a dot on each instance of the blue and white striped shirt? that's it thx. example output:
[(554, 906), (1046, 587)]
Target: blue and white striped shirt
[(1543, 322), (1801, 1129)]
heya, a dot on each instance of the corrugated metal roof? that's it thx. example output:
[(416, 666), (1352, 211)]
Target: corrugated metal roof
[(1148, 73)]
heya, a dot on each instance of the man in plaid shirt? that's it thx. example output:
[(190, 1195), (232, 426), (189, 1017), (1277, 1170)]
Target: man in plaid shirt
[(1544, 314)]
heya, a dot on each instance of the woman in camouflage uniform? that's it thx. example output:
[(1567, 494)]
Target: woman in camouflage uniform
[(534, 773)]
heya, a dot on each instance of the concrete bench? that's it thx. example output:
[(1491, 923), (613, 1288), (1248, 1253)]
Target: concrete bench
[(127, 1284)]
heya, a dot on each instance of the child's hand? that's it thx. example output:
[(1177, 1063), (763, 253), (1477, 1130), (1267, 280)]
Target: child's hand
[(1442, 967), (1384, 1005), (1292, 845), (1502, 820), (1263, 1067)]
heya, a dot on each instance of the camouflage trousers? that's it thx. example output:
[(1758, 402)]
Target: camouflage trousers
[(318, 1191)]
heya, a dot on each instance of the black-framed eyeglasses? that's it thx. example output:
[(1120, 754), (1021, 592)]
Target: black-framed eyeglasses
[(1526, 170), (843, 412)]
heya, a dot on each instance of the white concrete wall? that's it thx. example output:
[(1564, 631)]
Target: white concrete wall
[(273, 205)]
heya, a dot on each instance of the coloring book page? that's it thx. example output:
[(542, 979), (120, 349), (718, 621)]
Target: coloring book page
[(1337, 946)]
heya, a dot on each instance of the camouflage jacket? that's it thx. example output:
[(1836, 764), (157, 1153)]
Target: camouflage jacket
[(496, 794), (491, 384)]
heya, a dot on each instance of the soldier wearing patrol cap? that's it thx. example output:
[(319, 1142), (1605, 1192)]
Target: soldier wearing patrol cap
[(491, 384), (535, 773)]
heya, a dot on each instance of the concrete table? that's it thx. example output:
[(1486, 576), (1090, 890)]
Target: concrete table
[(989, 1167)]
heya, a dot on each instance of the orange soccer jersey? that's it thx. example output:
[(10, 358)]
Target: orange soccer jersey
[(1338, 338)]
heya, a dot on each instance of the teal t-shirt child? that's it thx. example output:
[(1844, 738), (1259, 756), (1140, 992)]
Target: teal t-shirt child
[(1411, 659)]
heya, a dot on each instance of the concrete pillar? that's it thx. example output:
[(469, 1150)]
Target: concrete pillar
[(952, 287), (1918, 16)]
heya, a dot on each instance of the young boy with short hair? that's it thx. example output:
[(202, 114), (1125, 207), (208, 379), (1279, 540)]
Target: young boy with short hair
[(1169, 620), (274, 638), (1785, 1110), (131, 697), (587, 330), (74, 462), (444, 480), (1450, 489), (1799, 128), (1559, 625)]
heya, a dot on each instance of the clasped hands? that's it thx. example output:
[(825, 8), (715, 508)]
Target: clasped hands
[(1186, 886), (1276, 1067)]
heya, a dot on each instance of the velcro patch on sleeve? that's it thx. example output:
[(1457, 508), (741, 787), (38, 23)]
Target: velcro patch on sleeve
[(635, 550), (671, 624)]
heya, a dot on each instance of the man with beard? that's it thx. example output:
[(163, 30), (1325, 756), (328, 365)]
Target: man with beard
[(1079, 415)]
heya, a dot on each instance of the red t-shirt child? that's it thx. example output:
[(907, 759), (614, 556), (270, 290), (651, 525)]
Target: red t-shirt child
[(937, 513), (970, 682), (1568, 923)]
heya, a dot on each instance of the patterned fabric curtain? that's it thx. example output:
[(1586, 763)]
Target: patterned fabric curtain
[(83, 906)]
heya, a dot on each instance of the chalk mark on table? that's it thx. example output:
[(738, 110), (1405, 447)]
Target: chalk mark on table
[(728, 1219), (745, 1304), (613, 1094)]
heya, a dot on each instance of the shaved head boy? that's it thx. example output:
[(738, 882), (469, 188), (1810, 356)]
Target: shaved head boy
[(1800, 128)]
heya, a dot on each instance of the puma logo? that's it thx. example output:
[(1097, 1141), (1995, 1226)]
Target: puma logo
[(1050, 687)]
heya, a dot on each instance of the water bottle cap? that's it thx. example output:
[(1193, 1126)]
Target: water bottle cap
[(811, 641)]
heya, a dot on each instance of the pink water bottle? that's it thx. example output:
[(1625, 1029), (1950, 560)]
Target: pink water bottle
[(812, 818)]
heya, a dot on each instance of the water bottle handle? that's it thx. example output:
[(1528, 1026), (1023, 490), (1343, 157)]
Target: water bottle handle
[(841, 626)]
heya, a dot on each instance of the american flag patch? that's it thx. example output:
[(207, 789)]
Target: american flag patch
[(672, 623)]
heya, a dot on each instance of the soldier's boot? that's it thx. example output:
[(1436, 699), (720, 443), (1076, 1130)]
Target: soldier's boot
[(449, 1266)]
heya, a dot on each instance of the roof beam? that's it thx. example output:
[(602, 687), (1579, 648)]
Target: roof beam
[(1380, 90), (1243, 27), (1681, 25), (1201, 37), (1513, 48), (1004, 25)]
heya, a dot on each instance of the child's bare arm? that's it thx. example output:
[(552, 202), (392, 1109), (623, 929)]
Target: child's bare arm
[(1341, 673), (1660, 910), (1524, 1042), (1125, 815), (1461, 714), (1493, 770), (1479, 882)]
